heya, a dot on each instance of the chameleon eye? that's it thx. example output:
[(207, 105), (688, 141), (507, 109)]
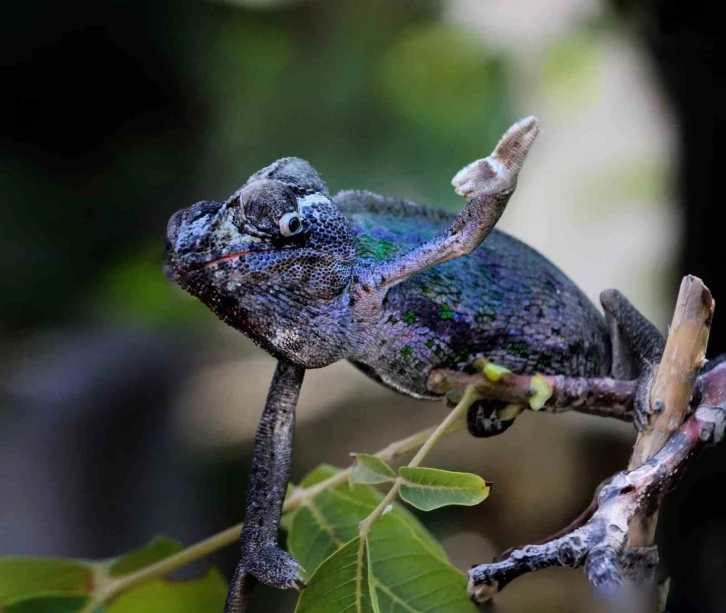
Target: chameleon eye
[(290, 224)]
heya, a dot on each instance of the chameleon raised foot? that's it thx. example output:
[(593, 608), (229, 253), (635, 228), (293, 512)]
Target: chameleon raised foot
[(487, 184), (498, 172)]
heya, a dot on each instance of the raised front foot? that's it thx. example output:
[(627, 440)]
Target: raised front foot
[(487, 184)]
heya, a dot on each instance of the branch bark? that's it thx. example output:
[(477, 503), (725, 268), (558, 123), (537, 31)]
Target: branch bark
[(672, 388), (600, 543)]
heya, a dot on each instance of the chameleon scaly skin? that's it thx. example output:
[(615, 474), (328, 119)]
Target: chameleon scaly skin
[(314, 279), (268, 483), (504, 302)]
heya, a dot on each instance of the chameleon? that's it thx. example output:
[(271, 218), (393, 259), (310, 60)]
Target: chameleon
[(397, 288)]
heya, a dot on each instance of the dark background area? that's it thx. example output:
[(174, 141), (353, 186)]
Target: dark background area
[(113, 115)]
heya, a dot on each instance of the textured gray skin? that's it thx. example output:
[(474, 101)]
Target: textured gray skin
[(268, 482), (356, 282)]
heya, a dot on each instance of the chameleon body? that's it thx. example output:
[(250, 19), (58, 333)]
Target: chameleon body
[(396, 288), (504, 302)]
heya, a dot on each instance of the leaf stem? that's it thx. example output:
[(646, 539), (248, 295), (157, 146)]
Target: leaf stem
[(470, 395), (191, 554)]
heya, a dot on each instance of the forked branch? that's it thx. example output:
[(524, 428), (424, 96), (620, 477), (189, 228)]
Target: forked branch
[(614, 544)]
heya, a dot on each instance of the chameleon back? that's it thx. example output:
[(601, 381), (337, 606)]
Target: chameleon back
[(505, 302)]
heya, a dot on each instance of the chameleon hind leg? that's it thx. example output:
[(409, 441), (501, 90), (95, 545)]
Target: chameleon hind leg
[(637, 347), (262, 559)]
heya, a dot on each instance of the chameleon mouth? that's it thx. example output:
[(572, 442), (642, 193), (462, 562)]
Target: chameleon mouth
[(182, 269), (225, 258)]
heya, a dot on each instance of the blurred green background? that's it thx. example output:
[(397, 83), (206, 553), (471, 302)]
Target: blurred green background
[(126, 409)]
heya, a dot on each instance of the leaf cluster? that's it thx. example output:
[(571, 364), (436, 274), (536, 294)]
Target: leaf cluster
[(397, 566)]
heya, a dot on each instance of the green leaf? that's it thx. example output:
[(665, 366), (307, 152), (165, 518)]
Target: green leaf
[(332, 517), (370, 470), (319, 474), (407, 578), (46, 585), (341, 583), (159, 548), (48, 604), (407, 566), (431, 488), (22, 578), (205, 593)]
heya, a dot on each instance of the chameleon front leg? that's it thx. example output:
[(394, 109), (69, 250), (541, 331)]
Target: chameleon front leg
[(262, 559), (487, 184)]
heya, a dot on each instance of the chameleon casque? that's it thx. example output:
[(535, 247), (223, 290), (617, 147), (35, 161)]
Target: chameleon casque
[(396, 288)]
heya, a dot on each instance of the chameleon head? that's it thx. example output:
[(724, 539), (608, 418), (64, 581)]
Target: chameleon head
[(274, 261)]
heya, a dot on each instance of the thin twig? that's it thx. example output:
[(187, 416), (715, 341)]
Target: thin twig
[(452, 418)]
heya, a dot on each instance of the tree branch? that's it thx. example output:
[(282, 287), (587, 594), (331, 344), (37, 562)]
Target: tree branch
[(615, 543), (551, 394), (599, 544), (670, 394)]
